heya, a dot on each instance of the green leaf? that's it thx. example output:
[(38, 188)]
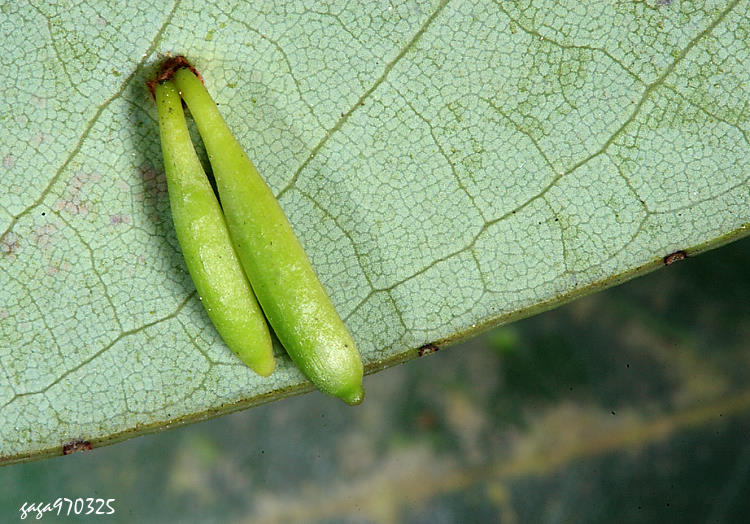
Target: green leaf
[(447, 165)]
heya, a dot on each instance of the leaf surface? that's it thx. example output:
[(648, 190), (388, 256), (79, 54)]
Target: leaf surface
[(448, 166)]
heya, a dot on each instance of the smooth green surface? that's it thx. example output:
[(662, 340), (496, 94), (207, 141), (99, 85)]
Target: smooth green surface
[(446, 166), (204, 241), (292, 297)]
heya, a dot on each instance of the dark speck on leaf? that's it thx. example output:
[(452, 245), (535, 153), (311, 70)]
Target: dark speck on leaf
[(76, 445), (427, 349), (674, 257)]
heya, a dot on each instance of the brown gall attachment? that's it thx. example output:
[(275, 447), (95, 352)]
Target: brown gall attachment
[(168, 68)]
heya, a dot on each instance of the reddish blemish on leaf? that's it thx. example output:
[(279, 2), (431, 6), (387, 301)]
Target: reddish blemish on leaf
[(44, 235), (76, 203), (674, 257), (9, 245), (427, 349), (118, 219), (76, 445)]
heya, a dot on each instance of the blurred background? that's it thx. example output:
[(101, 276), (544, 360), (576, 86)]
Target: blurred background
[(630, 405)]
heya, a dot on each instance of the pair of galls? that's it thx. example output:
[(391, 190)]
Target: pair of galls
[(246, 248)]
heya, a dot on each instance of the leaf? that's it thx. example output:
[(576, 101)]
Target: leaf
[(448, 166)]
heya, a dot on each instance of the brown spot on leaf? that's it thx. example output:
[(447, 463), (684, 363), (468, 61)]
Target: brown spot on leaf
[(77, 202), (9, 245), (44, 235), (76, 445), (427, 349), (118, 219), (674, 257)]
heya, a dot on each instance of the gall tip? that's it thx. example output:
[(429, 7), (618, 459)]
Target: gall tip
[(353, 396)]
